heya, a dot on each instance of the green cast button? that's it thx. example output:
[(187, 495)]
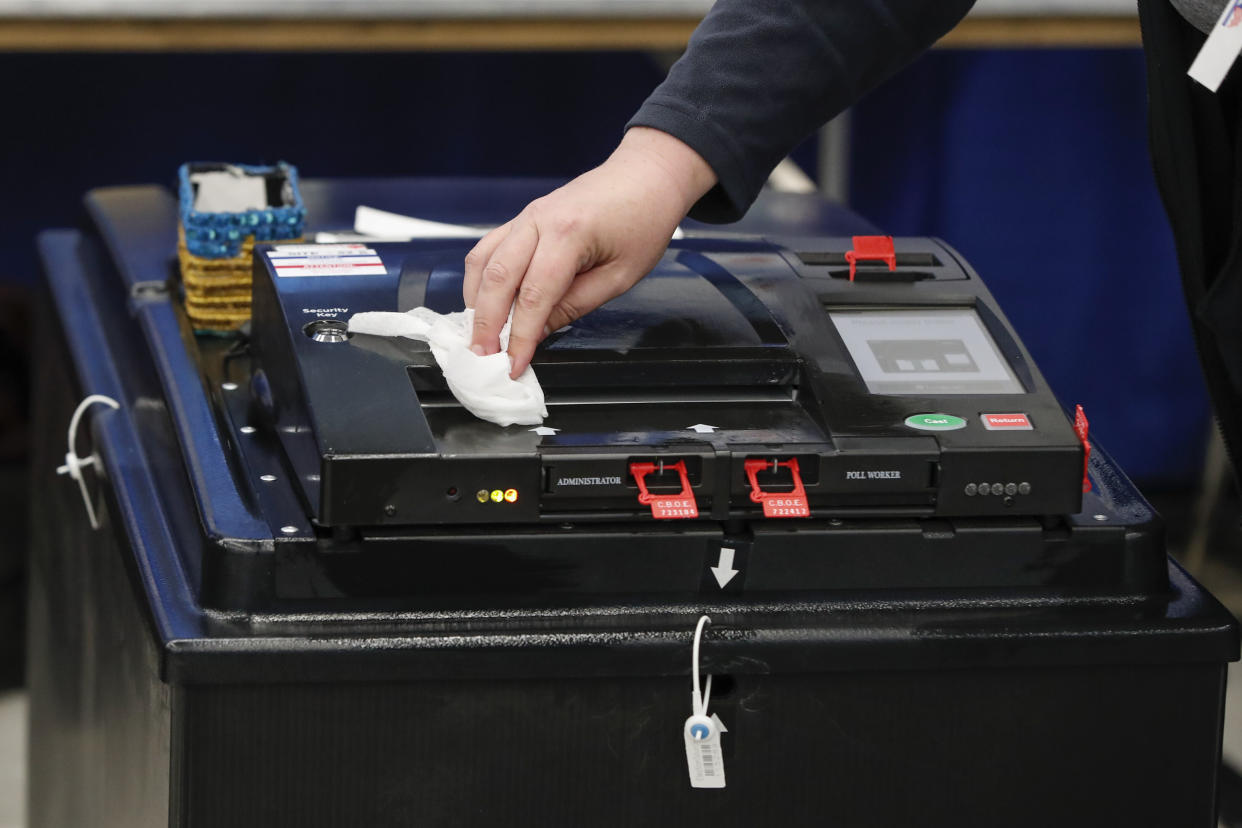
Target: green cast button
[(935, 422)]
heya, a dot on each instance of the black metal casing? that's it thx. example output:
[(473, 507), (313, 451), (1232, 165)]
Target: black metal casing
[(724, 333)]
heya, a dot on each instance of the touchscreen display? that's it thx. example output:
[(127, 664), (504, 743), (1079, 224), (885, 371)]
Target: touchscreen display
[(925, 351)]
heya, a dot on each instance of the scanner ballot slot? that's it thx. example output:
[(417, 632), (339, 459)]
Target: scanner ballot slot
[(645, 378), (559, 397), (721, 374)]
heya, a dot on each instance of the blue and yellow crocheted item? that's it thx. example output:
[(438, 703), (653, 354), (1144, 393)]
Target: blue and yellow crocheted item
[(215, 248), (220, 235)]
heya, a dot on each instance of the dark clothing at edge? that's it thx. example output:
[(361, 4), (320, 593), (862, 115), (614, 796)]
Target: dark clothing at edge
[(761, 75)]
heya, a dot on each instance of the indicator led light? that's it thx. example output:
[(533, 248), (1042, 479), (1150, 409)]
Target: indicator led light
[(511, 495), (497, 495), (482, 495)]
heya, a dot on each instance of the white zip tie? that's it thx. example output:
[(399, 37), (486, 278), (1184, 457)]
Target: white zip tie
[(73, 463), (699, 697)]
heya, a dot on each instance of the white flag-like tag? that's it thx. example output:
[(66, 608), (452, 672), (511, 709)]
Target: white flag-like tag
[(1220, 49), (704, 759), (703, 755)]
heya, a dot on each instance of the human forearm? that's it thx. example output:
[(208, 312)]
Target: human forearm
[(761, 75)]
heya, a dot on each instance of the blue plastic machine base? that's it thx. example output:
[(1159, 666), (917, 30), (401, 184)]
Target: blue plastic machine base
[(933, 707)]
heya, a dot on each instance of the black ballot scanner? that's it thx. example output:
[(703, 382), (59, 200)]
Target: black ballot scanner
[(831, 422), (741, 369), (308, 588)]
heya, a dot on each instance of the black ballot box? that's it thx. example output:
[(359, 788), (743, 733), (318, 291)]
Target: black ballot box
[(320, 593)]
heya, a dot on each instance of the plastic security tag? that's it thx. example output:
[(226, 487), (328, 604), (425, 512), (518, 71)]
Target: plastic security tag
[(703, 755), (1221, 48), (666, 507), (701, 732), (778, 507), (671, 508), (778, 504)]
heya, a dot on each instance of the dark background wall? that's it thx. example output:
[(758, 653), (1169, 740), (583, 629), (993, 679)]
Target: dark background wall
[(82, 121)]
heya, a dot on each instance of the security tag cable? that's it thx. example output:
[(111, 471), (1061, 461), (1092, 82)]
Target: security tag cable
[(73, 463), (702, 732)]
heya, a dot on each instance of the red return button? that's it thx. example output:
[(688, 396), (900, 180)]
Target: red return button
[(1006, 422)]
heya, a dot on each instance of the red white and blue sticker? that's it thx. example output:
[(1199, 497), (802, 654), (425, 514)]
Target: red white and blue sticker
[(326, 260), (1221, 48)]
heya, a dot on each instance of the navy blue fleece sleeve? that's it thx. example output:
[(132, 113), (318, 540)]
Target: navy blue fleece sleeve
[(761, 75)]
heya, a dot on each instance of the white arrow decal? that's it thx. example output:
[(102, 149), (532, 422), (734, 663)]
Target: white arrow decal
[(719, 724), (702, 428), (725, 571), (544, 431)]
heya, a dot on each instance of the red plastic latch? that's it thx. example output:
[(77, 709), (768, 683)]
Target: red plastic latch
[(666, 507), (778, 504), (871, 249), (1080, 426)]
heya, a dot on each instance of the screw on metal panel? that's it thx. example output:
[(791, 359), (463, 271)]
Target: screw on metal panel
[(835, 522), (289, 530), (267, 478), (390, 510), (247, 429), (229, 386), (149, 290), (1101, 517)]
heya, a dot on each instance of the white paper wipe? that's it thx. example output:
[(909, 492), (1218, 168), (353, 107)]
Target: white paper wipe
[(480, 383)]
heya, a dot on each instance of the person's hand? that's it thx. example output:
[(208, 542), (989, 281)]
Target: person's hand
[(579, 246)]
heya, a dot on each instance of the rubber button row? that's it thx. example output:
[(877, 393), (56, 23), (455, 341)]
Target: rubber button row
[(1011, 489)]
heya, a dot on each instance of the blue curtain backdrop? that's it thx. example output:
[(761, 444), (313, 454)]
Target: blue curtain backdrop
[(77, 121), (1034, 165)]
